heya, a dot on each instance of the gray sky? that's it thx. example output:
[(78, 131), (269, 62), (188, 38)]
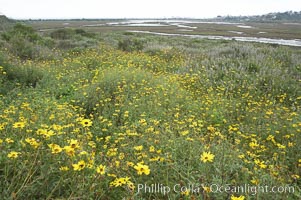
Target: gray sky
[(36, 9)]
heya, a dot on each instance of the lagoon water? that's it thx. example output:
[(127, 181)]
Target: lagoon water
[(296, 42), (185, 25)]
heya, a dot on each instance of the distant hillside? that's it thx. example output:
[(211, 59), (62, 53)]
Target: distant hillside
[(270, 17), (5, 22)]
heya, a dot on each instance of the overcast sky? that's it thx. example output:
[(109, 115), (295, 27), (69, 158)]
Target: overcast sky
[(36, 9)]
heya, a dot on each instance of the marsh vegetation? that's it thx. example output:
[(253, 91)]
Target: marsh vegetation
[(88, 114)]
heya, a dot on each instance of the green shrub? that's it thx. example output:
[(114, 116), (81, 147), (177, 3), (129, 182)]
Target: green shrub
[(134, 89), (131, 44), (48, 42), (84, 33), (22, 31), (62, 34), (25, 43), (22, 48), (24, 75), (65, 44), (168, 54), (67, 34), (5, 23)]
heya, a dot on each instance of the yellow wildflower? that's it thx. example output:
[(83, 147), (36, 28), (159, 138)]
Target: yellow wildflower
[(142, 169), (131, 186), (101, 169), (13, 154), (151, 149), (32, 142), (69, 150), (74, 144), (9, 140), (207, 157), (55, 148), (19, 125), (118, 182), (86, 123), (237, 198), (64, 168), (138, 148), (79, 166)]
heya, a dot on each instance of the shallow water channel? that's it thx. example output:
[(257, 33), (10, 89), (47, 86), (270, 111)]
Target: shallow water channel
[(296, 42)]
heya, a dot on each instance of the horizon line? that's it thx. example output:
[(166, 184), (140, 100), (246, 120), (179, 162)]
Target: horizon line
[(125, 18)]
